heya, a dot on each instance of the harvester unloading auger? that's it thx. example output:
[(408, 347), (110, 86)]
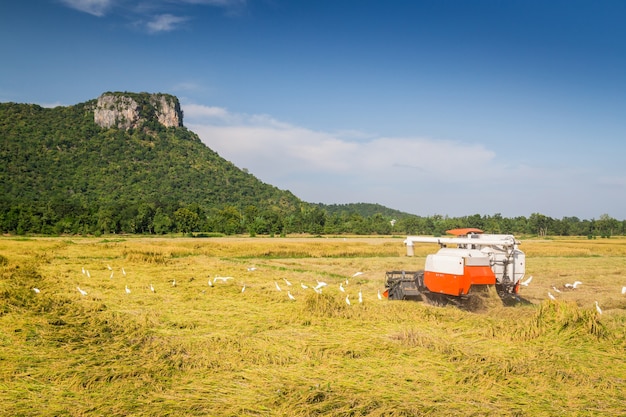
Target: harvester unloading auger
[(453, 274)]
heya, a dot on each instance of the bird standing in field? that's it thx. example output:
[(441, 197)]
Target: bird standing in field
[(277, 286), (243, 288), (152, 288), (380, 297), (360, 296), (598, 309), (81, 291), (623, 290), (348, 299), (304, 286), (37, 290), (341, 288), (576, 284), (291, 297), (127, 290), (123, 271), (287, 282), (551, 296), (174, 282), (527, 282)]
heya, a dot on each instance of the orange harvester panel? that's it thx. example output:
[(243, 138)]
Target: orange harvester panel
[(459, 284)]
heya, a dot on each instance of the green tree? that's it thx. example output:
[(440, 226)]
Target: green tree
[(186, 220), (162, 222)]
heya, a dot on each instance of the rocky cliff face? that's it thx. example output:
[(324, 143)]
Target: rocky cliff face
[(129, 110)]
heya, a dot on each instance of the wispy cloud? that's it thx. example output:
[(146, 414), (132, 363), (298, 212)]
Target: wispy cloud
[(340, 167), (155, 16), (165, 23), (93, 7)]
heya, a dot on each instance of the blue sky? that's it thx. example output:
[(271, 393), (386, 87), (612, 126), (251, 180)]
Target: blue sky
[(451, 107)]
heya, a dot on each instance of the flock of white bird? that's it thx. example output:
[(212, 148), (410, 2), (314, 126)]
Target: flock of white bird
[(320, 285), (566, 286), (225, 279)]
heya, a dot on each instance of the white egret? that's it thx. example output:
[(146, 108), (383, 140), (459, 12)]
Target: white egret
[(317, 290), (526, 282), (109, 267), (568, 285), (127, 290), (174, 282), (83, 270), (348, 299), (551, 296), (360, 296), (223, 279), (82, 292), (380, 297), (598, 309), (287, 282), (152, 288), (320, 285), (576, 284), (88, 274), (623, 290), (111, 276), (252, 268), (356, 274), (243, 288), (291, 297), (277, 286), (341, 288), (37, 290), (210, 282), (555, 289), (123, 272), (304, 286)]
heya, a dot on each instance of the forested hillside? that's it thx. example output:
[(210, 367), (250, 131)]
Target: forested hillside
[(62, 173)]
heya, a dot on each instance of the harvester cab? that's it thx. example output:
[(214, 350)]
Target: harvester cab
[(466, 263)]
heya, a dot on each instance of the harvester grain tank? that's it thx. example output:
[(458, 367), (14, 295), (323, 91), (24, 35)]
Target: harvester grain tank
[(465, 264)]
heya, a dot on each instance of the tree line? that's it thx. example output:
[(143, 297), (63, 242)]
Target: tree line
[(71, 217)]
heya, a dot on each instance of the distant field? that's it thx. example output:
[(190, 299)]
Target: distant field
[(190, 349)]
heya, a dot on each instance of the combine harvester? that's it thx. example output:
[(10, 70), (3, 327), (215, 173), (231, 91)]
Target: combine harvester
[(455, 274)]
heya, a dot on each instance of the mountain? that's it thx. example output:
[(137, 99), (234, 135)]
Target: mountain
[(120, 152)]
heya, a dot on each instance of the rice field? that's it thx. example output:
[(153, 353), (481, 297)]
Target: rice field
[(242, 347)]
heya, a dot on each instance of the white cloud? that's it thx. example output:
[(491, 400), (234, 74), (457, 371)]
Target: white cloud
[(165, 23), (93, 7), (158, 13), (415, 174), (338, 167)]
